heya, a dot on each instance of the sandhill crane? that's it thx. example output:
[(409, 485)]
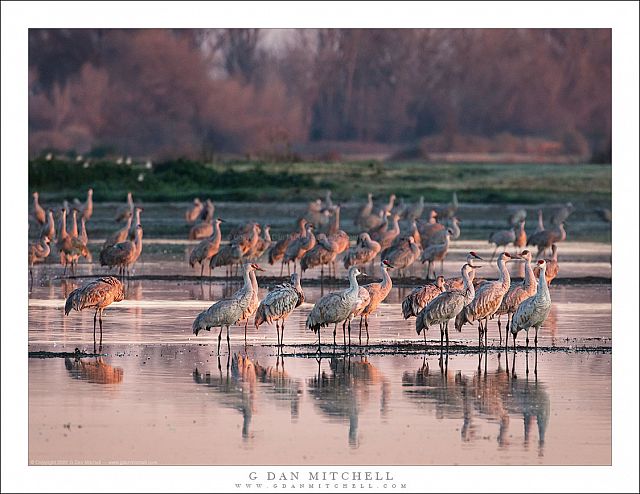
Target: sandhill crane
[(386, 237), (420, 297), (201, 230), (120, 235), (517, 293), (534, 310), (437, 237), (193, 213), (323, 253), (363, 252), (123, 254), (458, 282), (228, 311), (207, 248), (403, 255), (561, 215), (487, 299), (379, 226), (546, 238), (447, 306), (97, 295), (84, 238), (317, 213), (38, 252), (335, 234), (389, 206), (136, 221), (521, 236), (401, 208), (435, 253), (364, 212), (517, 216), (278, 304), (450, 210), (38, 211), (552, 266), (87, 208), (206, 215), (364, 298), (429, 228), (276, 252), (69, 246), (374, 222), (501, 238), (415, 212), (49, 228), (299, 246), (254, 303), (228, 255), (377, 293), (335, 307), (123, 212), (262, 245)]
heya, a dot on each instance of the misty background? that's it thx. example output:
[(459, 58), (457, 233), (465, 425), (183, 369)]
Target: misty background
[(321, 93)]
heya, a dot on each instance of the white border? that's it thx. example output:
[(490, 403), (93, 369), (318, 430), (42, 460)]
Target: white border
[(621, 16)]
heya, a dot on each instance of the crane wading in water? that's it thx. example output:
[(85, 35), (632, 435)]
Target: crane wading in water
[(95, 295), (279, 303), (533, 311)]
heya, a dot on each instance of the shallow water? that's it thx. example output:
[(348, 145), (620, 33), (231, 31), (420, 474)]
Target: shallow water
[(160, 395)]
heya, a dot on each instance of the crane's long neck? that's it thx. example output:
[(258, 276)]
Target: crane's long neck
[(254, 282), (74, 226), (529, 277), (217, 234), (543, 288), (247, 278), (455, 200), (130, 200), (36, 202), (386, 279), (83, 227), (504, 279), (336, 221), (50, 219), (301, 228), (353, 283), (468, 288), (139, 240), (394, 225), (266, 235), (137, 216), (390, 203), (540, 222), (63, 224)]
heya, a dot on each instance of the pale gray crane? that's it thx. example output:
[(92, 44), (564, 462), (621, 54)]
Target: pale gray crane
[(447, 306), (502, 238), (278, 305), (534, 310), (335, 307), (227, 312), (561, 215), (363, 252), (377, 293), (123, 254)]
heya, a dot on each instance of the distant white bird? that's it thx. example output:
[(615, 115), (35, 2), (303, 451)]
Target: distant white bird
[(278, 305), (533, 311)]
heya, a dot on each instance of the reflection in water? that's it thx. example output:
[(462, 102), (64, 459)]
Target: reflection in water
[(237, 387), (94, 370), (494, 396), (342, 394), (281, 386)]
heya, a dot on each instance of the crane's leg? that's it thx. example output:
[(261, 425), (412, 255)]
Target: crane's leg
[(344, 336), (527, 340), (31, 277), (360, 332), (508, 328), (95, 316), (349, 333), (219, 338), (441, 338), (514, 343), (442, 266), (100, 319), (319, 347), (479, 335), (282, 335), (335, 328), (201, 270), (500, 330), (245, 332), (228, 341), (486, 322), (281, 268), (535, 339), (446, 332), (366, 326), (424, 334)]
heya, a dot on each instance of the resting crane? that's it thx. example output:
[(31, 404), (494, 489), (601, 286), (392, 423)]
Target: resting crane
[(278, 305), (534, 310)]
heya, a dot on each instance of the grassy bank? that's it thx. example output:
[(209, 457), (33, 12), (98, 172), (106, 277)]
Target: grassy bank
[(238, 181)]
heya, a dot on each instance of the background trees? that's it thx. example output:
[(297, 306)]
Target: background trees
[(200, 92)]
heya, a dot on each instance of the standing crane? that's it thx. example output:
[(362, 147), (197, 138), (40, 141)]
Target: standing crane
[(521, 236), (278, 305), (49, 228), (227, 312), (458, 282), (276, 253), (299, 246), (335, 307), (435, 253), (518, 293), (540, 225), (207, 248), (263, 244), (420, 297), (364, 212), (124, 212), (546, 238), (98, 295), (377, 293), (323, 253), (561, 215), (402, 255), (120, 235), (123, 254), (389, 206), (363, 252), (534, 310), (132, 230), (386, 237), (414, 212), (38, 252), (87, 208), (38, 211), (487, 299), (193, 213), (429, 228), (502, 238), (446, 306)]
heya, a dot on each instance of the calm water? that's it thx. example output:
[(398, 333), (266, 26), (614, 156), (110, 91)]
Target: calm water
[(159, 395)]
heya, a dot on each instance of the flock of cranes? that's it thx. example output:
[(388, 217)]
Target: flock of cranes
[(465, 299)]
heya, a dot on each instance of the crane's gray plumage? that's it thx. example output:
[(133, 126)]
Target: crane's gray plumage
[(336, 306), (534, 310)]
